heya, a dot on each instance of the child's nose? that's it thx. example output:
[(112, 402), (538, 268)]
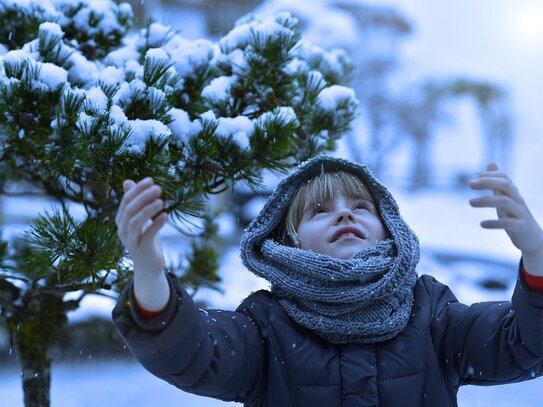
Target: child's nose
[(344, 214)]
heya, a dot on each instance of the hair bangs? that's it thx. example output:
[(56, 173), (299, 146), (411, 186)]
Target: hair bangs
[(318, 190), (325, 186)]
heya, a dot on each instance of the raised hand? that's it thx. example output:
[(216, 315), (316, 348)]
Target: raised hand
[(137, 226), (514, 215)]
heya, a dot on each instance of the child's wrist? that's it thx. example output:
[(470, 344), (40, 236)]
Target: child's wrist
[(532, 281), (152, 292), (533, 262), (145, 314)]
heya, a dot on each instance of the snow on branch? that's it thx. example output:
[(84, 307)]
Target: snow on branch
[(85, 103)]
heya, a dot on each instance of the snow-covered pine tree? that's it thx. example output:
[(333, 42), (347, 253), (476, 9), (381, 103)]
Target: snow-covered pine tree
[(85, 103)]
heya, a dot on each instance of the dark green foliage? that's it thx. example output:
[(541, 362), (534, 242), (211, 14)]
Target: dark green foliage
[(52, 49), (190, 97), (204, 264), (83, 108), (79, 145), (273, 138), (19, 25), (76, 251), (95, 42)]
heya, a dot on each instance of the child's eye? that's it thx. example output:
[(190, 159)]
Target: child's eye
[(364, 205), (318, 209)]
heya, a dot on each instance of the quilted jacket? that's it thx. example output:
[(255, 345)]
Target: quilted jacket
[(258, 356)]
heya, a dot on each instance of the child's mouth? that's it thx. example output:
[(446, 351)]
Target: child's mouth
[(347, 233)]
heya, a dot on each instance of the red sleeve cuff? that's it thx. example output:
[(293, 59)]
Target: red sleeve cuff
[(533, 282), (149, 315)]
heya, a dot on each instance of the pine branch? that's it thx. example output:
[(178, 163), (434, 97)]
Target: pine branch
[(78, 144)]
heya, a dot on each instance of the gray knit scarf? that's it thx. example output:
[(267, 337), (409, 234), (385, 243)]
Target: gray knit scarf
[(364, 299)]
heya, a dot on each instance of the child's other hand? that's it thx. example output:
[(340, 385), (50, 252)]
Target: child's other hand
[(137, 229), (513, 213)]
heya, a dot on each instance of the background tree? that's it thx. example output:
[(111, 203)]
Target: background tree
[(85, 104), (423, 108)]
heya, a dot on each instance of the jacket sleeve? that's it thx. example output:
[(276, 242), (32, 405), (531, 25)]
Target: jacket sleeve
[(490, 342), (211, 353)]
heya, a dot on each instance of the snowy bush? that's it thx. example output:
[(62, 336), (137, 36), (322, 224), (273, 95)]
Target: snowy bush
[(85, 103)]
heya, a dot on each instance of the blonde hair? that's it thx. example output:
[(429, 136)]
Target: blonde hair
[(315, 191)]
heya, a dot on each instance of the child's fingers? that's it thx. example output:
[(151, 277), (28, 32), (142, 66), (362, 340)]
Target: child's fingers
[(503, 203), (498, 184), (492, 167), (514, 216), (133, 190), (510, 213), (129, 188), (490, 174), (127, 184), (137, 189), (505, 223), (144, 198), (492, 170), (154, 227), (142, 243), (137, 214), (138, 197), (130, 198), (136, 223)]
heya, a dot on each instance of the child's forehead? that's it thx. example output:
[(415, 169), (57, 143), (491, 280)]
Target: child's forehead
[(326, 186), (361, 192)]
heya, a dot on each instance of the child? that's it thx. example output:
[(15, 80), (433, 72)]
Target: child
[(347, 321)]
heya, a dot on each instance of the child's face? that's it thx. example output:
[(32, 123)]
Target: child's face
[(341, 226)]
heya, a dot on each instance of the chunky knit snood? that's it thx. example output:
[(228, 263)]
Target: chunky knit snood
[(364, 299)]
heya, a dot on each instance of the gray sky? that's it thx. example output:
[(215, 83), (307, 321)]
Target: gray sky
[(498, 39)]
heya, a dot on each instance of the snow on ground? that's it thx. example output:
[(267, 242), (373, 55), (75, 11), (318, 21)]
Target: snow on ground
[(123, 383), (104, 384)]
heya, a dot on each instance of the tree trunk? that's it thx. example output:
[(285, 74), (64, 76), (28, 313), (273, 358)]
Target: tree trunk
[(35, 328), (36, 373)]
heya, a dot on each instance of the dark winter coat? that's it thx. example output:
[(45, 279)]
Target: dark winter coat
[(259, 356)]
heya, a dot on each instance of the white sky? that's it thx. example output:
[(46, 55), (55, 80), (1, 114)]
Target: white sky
[(501, 40)]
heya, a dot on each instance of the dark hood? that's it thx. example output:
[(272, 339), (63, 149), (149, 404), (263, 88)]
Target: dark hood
[(272, 215)]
